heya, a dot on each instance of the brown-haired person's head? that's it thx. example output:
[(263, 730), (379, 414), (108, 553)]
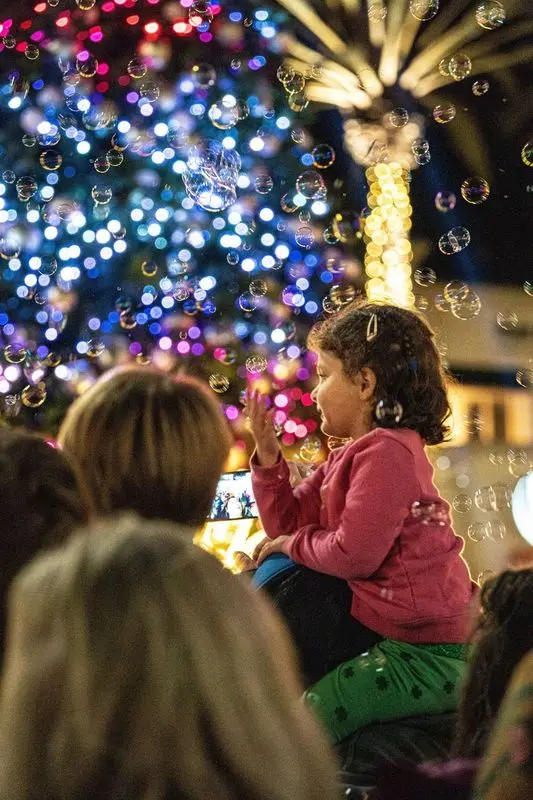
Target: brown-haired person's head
[(41, 502), (396, 348), (137, 667), (502, 637), (148, 442)]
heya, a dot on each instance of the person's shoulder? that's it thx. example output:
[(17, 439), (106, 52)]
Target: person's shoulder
[(400, 439)]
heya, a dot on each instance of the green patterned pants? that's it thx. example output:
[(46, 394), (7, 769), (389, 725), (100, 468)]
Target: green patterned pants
[(391, 681)]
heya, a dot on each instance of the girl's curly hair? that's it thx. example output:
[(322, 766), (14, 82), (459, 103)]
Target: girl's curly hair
[(399, 346), (503, 635)]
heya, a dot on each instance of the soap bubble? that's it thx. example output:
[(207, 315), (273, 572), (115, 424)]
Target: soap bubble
[(211, 175), (95, 348), (467, 307), (263, 184), (9, 247), (423, 10), (454, 241), (284, 73), (136, 68), (519, 463), (389, 414), (34, 396), (310, 449), (480, 88), (527, 154), (495, 529), (9, 41), (502, 496), (484, 498), (420, 146), (421, 303), (295, 83), (425, 276), (304, 237), (475, 190), (258, 287), (204, 75), (398, 117), (310, 185), (200, 13), (423, 158), (323, 156), (15, 353), (507, 320), (48, 266), (28, 140), (445, 201), (444, 66), (462, 503), (127, 320), (490, 15), (460, 66), (256, 364), (298, 135), (223, 116), (478, 531), (101, 164), (149, 268), (84, 5), (26, 187), (86, 65), (219, 383), (50, 160), (524, 377), (444, 113), (8, 176), (32, 52), (454, 291), (248, 302), (376, 12), (342, 295), (150, 91), (292, 296)]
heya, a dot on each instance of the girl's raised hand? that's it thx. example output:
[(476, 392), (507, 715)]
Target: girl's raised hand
[(262, 427)]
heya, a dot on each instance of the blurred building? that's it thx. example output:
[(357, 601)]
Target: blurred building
[(492, 401)]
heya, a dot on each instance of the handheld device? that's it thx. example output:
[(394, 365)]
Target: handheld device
[(234, 498)]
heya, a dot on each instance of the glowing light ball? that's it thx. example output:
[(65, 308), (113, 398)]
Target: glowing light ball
[(522, 506)]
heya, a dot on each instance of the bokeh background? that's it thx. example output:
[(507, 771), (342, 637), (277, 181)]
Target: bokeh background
[(194, 184)]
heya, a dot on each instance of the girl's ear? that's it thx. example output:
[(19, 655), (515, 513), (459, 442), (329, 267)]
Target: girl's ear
[(368, 382)]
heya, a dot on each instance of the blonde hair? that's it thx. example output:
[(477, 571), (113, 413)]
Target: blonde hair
[(139, 669), (148, 442)]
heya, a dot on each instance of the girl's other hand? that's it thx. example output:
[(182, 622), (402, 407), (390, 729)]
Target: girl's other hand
[(267, 546), (262, 428)]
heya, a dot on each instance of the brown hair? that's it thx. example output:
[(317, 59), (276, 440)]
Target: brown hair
[(41, 501), (503, 635), (399, 346), (151, 673), (148, 442)]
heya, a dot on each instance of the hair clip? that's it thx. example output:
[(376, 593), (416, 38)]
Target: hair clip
[(372, 328)]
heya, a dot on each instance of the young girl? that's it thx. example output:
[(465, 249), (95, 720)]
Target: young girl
[(372, 515)]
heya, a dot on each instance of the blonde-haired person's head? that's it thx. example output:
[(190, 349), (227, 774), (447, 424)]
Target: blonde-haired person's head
[(139, 669), (149, 442)]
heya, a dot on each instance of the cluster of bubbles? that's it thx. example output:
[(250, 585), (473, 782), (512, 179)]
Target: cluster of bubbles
[(458, 66), (490, 15), (294, 83)]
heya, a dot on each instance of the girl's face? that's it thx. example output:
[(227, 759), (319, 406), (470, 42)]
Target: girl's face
[(344, 403)]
